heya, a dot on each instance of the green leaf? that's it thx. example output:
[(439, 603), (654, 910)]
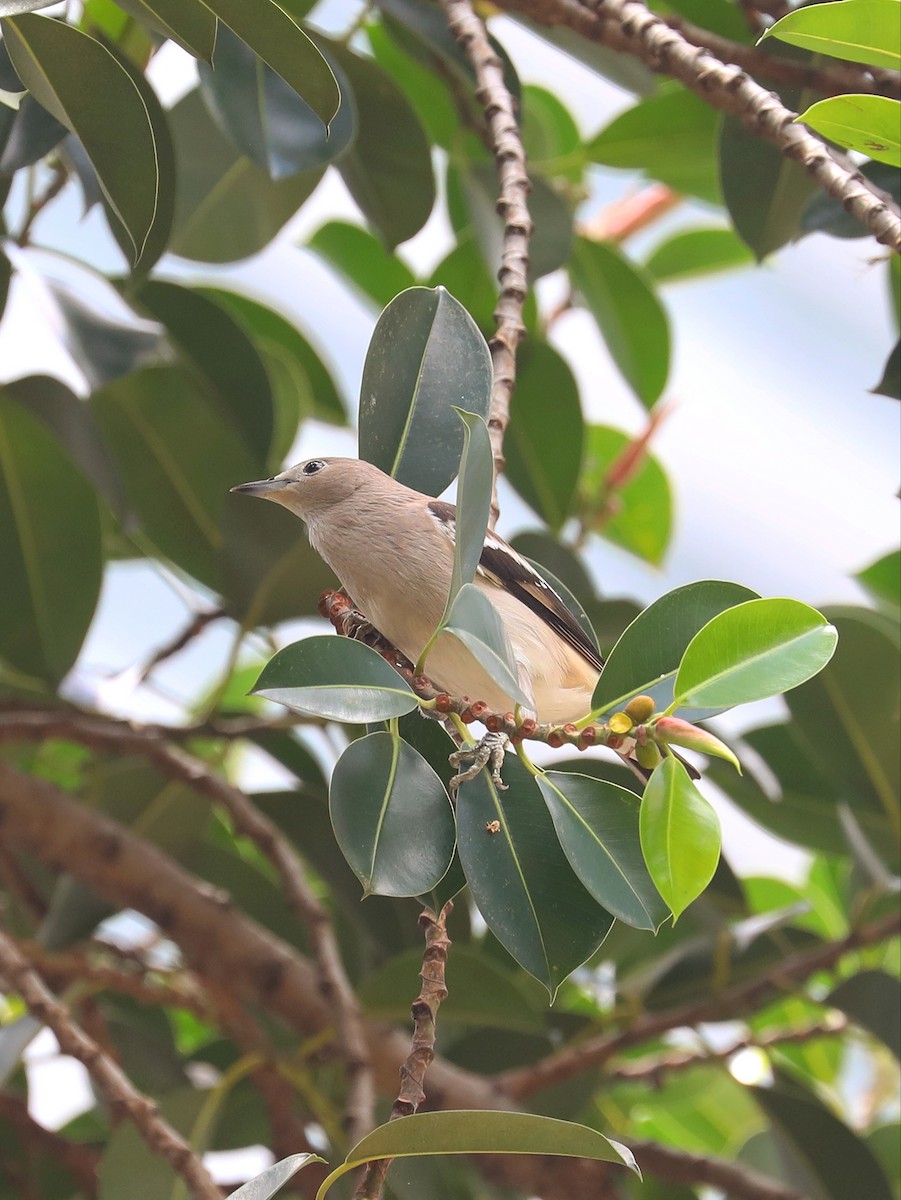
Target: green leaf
[(26, 135), (883, 578), (680, 836), (757, 649), (864, 31), (153, 421), (764, 192), (276, 36), (890, 383), (335, 678), (212, 343), (301, 383), (264, 117), (425, 359), (473, 502), (50, 548), (270, 572), (388, 167), (392, 816), (849, 714), (464, 273), (642, 513), (189, 23), (544, 457), (226, 207), (481, 1132), (265, 1185), (475, 622), (821, 1152), (647, 656), (597, 824), (363, 260), (480, 992), (423, 87), (520, 879), (550, 136), (670, 137), (698, 252), (869, 124), (872, 999), (65, 70), (620, 296)]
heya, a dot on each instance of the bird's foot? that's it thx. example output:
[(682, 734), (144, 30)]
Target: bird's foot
[(357, 627), (489, 752)]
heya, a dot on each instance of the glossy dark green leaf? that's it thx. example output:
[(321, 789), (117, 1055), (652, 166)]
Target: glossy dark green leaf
[(544, 457), (819, 1148), (363, 260), (718, 16), (864, 31), (127, 1157), (698, 252), (473, 502), (105, 347), (226, 207), (302, 385), (153, 421), (890, 383), (620, 296), (680, 835), (552, 240), (270, 572), (482, 1132), (597, 824), (826, 214), (872, 999), (213, 343), (464, 272), (265, 1185), (27, 135), (388, 167), (754, 650), (189, 23), (670, 137), (640, 517), (64, 69), (50, 549), (277, 37), (426, 357), (764, 192), (475, 622), (335, 678), (5, 280), (392, 816), (70, 420), (480, 992), (520, 879), (264, 117), (882, 578), (849, 714), (647, 656)]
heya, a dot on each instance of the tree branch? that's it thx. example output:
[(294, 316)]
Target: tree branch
[(627, 26), (730, 1003), (115, 1087), (735, 1179), (510, 157)]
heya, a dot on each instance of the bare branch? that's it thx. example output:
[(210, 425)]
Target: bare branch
[(627, 26), (729, 1003), (734, 1178), (192, 630), (510, 157), (115, 1087)]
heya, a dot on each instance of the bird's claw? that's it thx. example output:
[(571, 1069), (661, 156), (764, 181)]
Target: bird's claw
[(489, 752), (356, 626)]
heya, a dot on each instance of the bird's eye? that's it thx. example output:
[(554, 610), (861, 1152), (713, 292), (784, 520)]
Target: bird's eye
[(313, 467)]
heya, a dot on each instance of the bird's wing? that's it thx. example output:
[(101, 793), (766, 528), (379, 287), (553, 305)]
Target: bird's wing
[(502, 566)]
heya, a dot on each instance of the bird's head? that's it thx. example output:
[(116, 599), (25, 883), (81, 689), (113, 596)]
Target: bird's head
[(311, 488)]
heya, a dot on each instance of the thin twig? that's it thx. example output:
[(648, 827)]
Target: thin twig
[(512, 205), (626, 25), (424, 1011), (731, 1002), (192, 630), (116, 1088), (40, 201)]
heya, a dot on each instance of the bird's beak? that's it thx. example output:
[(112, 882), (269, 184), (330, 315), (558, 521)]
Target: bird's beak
[(261, 487)]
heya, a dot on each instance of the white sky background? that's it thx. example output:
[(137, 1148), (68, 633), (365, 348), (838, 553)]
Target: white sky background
[(784, 469)]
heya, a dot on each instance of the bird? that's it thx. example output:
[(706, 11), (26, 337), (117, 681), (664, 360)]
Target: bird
[(392, 548)]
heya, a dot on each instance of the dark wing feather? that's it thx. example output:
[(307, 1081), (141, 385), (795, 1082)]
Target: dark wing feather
[(501, 563)]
